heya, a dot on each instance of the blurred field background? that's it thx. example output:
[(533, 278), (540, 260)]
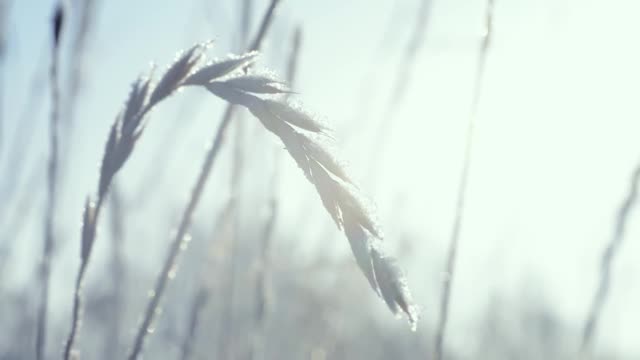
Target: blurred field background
[(555, 145)]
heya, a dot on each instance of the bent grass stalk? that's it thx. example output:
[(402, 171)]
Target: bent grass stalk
[(307, 140), (125, 132), (445, 299), (201, 77)]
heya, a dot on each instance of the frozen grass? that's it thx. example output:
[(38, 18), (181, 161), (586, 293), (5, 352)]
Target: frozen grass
[(305, 137)]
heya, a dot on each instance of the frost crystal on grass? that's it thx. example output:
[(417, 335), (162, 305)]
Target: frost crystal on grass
[(259, 84), (177, 72), (218, 69), (295, 115)]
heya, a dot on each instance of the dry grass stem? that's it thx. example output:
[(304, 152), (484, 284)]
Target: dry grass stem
[(198, 305), (14, 170), (52, 184), (2, 50), (262, 290), (217, 251), (4, 15), (416, 40), (245, 21), (608, 256), (401, 81), (445, 299)]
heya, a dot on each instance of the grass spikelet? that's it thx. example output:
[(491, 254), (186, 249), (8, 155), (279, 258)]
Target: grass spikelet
[(177, 73), (88, 229), (324, 153), (259, 84), (230, 94), (325, 186), (361, 248), (360, 207), (218, 69), (138, 98), (393, 285), (295, 115)]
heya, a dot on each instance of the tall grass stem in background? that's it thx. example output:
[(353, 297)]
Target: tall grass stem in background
[(4, 15), (87, 11), (608, 256), (400, 83), (263, 271), (402, 80), (196, 193), (2, 60), (245, 21), (445, 299), (52, 184), (228, 338), (262, 285), (13, 170), (198, 305), (220, 241), (366, 92), (77, 71)]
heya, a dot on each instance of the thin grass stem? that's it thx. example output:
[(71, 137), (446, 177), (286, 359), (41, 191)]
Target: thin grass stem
[(450, 266), (608, 256), (52, 186)]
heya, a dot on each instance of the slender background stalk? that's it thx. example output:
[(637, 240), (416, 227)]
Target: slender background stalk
[(400, 84), (220, 240), (263, 272), (199, 303), (4, 15), (450, 266), (608, 256), (52, 184), (13, 171), (228, 341)]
